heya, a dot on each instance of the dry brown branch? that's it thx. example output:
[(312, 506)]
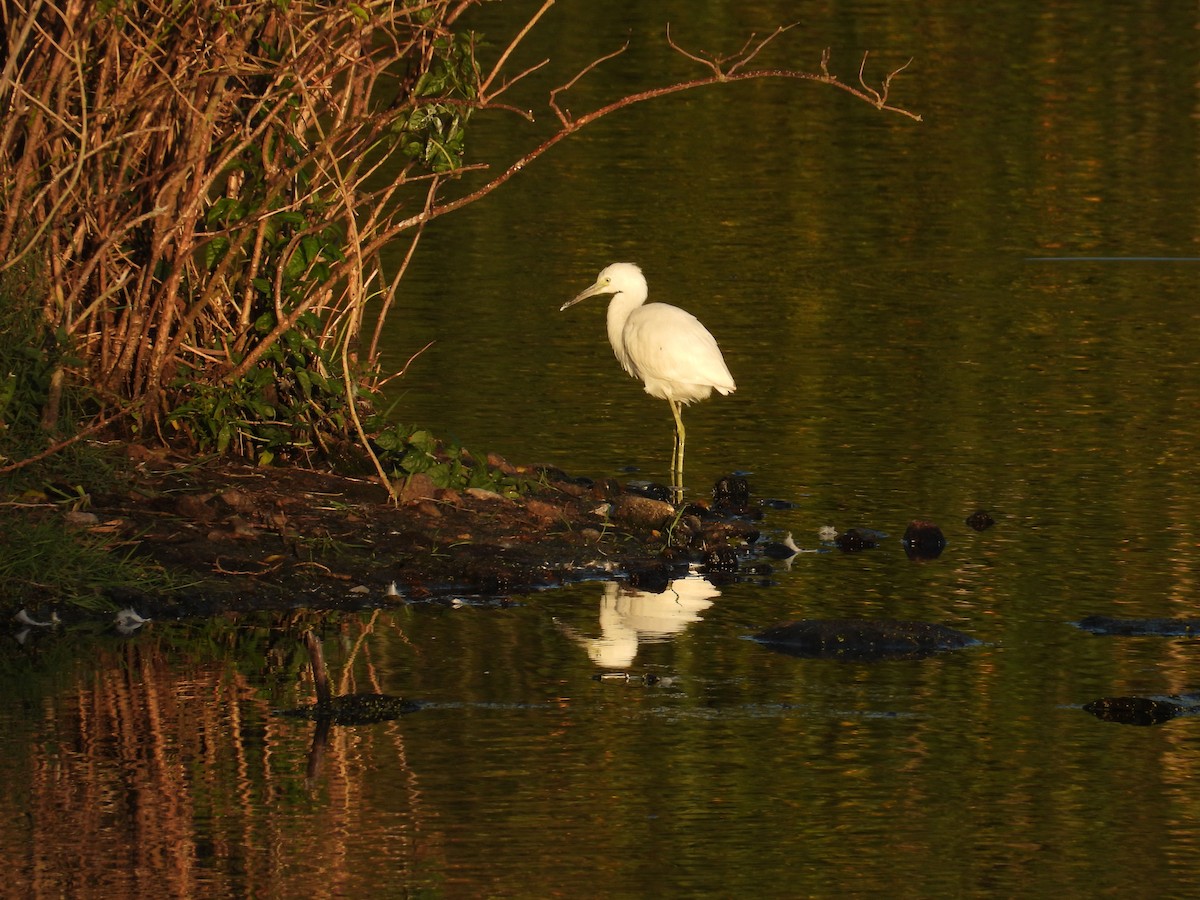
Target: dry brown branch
[(742, 57), (571, 124)]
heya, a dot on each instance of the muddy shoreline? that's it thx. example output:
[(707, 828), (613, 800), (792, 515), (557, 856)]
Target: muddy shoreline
[(251, 538)]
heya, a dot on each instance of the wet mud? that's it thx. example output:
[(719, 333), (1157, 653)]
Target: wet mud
[(254, 538)]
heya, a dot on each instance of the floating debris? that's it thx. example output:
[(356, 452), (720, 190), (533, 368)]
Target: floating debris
[(128, 621), (24, 618)]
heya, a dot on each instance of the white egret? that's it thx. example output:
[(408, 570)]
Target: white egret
[(668, 349)]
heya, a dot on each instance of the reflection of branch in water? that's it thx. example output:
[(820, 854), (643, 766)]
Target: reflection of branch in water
[(342, 709), (630, 617), (316, 658), (346, 709)]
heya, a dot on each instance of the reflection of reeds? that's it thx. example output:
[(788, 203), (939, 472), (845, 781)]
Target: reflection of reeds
[(148, 777)]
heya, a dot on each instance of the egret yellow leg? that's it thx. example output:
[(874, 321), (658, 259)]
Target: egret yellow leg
[(677, 456)]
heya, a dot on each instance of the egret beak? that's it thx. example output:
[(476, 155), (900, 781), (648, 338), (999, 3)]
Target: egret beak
[(600, 287)]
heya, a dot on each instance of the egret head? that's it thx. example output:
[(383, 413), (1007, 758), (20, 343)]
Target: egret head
[(613, 279)]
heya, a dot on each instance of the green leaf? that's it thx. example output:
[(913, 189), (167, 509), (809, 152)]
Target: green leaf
[(289, 217), (311, 248), (423, 440), (214, 252), (305, 381), (295, 265)]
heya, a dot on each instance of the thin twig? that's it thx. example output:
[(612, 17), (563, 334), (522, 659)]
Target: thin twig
[(566, 118), (404, 369), (747, 57), (716, 69), (78, 436), (512, 45)]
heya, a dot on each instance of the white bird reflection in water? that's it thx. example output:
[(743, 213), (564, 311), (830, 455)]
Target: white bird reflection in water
[(629, 617)]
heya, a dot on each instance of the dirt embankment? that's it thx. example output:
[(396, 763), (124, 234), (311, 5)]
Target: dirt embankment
[(255, 538)]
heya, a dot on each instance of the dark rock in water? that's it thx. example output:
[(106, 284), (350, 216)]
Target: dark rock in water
[(355, 709), (854, 539), (731, 496), (653, 491), (784, 549), (863, 639), (776, 503), (722, 560), (923, 540), (980, 520), (653, 578), (1137, 627), (1134, 710)]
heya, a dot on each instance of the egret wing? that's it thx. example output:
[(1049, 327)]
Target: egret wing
[(674, 354)]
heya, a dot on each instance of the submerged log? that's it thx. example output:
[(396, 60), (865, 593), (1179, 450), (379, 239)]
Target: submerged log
[(863, 639), (1134, 710), (355, 709)]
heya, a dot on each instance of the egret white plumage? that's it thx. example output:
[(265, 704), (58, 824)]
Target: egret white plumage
[(674, 355)]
